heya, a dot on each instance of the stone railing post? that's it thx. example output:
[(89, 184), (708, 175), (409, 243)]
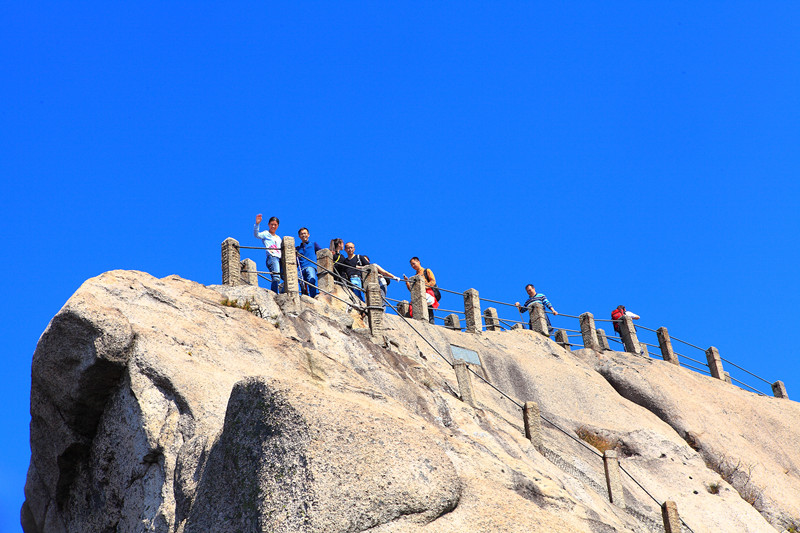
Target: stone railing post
[(538, 321), (628, 334), (452, 321), (472, 310), (643, 349), (231, 271), (464, 382), (715, 363), (248, 272), (563, 339), (602, 339), (665, 343), (672, 521), (325, 270), (289, 267), (491, 320), (588, 332), (533, 424), (779, 390), (613, 478), (418, 303), (374, 301), (403, 308)]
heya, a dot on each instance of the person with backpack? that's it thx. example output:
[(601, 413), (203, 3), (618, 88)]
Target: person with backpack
[(537, 297), (272, 243), (351, 271), (618, 313), (432, 293)]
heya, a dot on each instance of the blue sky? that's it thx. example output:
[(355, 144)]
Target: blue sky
[(610, 152)]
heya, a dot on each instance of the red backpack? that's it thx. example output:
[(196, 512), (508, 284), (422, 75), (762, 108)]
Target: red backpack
[(616, 314)]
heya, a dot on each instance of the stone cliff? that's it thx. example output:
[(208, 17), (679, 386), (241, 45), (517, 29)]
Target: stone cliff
[(154, 407)]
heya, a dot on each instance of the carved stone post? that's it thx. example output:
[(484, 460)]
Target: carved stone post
[(374, 301), (613, 478), (325, 270), (464, 382), (289, 267), (231, 271), (628, 334), (452, 321), (418, 303), (715, 363), (665, 343), (601, 338), (403, 308), (490, 319), (248, 272), (779, 390), (538, 320), (533, 424), (472, 309), (563, 339), (588, 332), (672, 521)]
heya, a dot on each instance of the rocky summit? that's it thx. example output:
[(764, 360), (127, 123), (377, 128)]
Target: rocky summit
[(168, 406)]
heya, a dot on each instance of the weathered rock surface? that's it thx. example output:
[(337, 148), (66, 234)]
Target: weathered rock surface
[(156, 408)]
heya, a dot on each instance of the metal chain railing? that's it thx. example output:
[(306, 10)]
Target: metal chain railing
[(505, 323)]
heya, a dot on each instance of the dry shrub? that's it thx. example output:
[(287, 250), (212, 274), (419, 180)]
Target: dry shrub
[(598, 441), (739, 475)]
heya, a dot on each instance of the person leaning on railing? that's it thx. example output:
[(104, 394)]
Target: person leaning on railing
[(431, 291), (537, 297)]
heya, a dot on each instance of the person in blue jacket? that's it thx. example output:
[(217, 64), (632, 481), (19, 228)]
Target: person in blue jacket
[(537, 297), (306, 262)]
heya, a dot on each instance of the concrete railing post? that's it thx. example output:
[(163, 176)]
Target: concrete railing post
[(472, 310), (779, 390), (628, 334), (613, 478), (452, 321), (248, 272), (563, 339), (491, 320), (538, 321), (665, 343), (602, 339), (464, 382), (672, 521), (533, 424), (374, 301), (418, 303), (231, 271), (289, 267), (715, 363), (325, 270), (588, 332)]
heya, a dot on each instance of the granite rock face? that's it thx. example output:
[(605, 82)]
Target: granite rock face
[(155, 407)]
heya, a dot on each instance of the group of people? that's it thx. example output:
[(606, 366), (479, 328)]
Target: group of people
[(350, 271), (349, 267)]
